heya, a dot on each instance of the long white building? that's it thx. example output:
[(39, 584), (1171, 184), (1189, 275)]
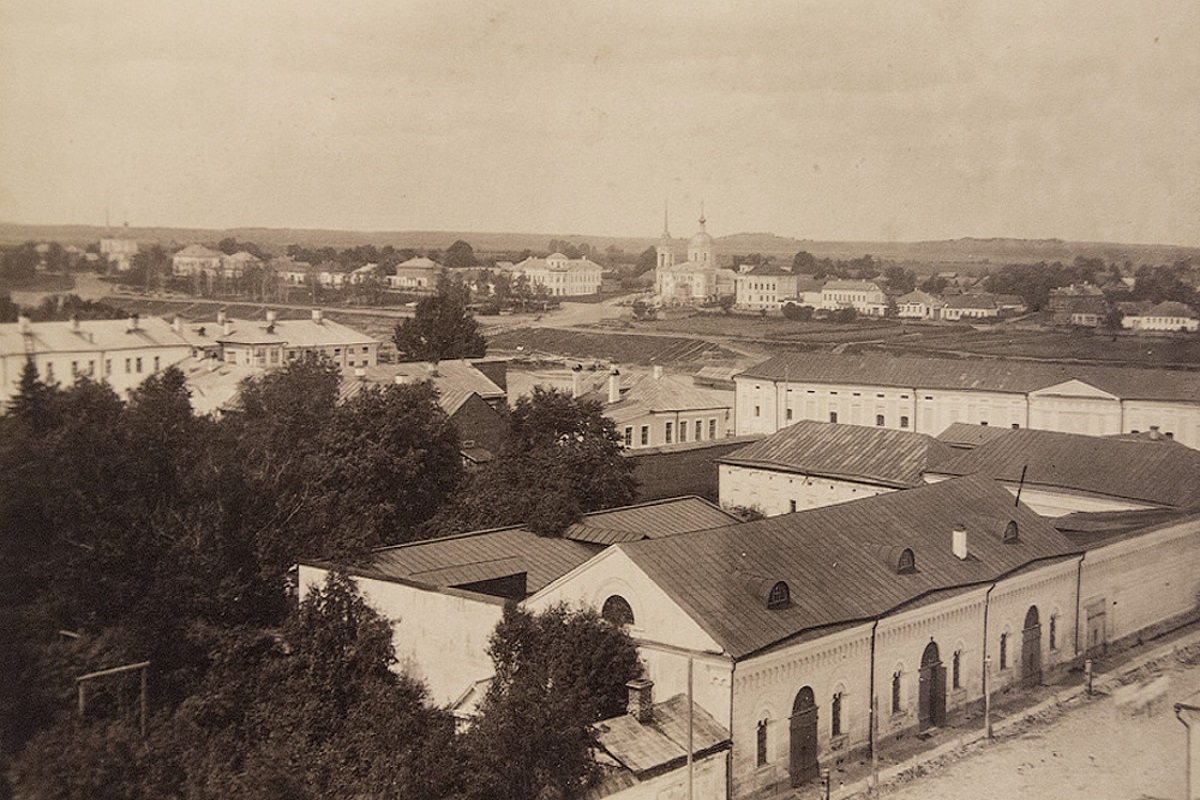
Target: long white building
[(927, 395)]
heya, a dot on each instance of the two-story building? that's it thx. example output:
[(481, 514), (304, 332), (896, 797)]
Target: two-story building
[(920, 305), (196, 260), (865, 297), (561, 276)]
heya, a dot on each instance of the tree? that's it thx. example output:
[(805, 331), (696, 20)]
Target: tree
[(726, 302), (460, 255), (900, 280), (804, 263), (796, 312), (441, 328), (557, 674)]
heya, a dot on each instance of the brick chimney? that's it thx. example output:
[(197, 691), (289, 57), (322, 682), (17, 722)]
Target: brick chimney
[(641, 699), (220, 317), (271, 316), (614, 385), (958, 541)]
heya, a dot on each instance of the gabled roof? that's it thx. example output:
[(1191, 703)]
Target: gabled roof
[(995, 375), (92, 336), (851, 286), (456, 561), (293, 333), (243, 256), (669, 392), (1170, 308), (964, 435), (984, 301), (1161, 472), (454, 379), (838, 560), (854, 452), (662, 743), (420, 262), (920, 297)]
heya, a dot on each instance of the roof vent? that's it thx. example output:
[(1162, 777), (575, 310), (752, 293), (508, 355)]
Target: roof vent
[(1011, 532), (900, 560), (958, 542)]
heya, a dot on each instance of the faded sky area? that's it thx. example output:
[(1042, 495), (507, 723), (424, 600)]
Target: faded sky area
[(824, 120)]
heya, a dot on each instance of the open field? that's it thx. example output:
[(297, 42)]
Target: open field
[(619, 348)]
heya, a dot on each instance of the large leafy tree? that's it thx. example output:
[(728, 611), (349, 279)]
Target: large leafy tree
[(442, 327), (460, 255), (557, 673)]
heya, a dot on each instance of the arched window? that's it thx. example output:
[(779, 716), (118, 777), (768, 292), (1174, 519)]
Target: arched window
[(1054, 631), (835, 715), (1004, 651), (1011, 534), (762, 742), (907, 563), (896, 692), (617, 610), (957, 670), (780, 596)]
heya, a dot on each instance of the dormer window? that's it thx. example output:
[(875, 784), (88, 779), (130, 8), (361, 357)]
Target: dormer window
[(907, 563), (780, 596), (1011, 534)]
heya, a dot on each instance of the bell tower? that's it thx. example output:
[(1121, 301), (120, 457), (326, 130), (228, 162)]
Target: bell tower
[(666, 256)]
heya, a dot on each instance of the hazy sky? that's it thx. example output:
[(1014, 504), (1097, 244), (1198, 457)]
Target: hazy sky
[(825, 120)]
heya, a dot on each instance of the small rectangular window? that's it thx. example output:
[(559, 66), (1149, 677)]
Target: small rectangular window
[(895, 692), (835, 715), (699, 428), (904, 422), (789, 415), (156, 363), (879, 420), (667, 433), (712, 429), (628, 435), (1004, 651), (683, 431), (792, 506), (139, 366), (758, 411), (1016, 425), (128, 365), (108, 366), (761, 743), (833, 416), (956, 672), (645, 434)]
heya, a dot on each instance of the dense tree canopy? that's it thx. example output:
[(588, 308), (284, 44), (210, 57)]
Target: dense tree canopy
[(442, 327), (460, 255)]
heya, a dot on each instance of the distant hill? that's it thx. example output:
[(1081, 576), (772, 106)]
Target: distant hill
[(954, 253)]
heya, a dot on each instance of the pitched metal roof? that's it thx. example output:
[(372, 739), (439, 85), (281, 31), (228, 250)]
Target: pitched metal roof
[(294, 333), (645, 747), (1161, 472), (994, 375), (90, 336), (856, 452), (455, 379), (467, 558), (835, 560), (964, 435), (669, 392)]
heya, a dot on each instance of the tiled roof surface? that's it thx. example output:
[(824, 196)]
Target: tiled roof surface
[(879, 455), (642, 747), (996, 375), (835, 560), (93, 336), (483, 555), (964, 435), (1162, 472)]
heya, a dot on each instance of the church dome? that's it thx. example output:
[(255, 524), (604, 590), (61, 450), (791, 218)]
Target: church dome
[(701, 239)]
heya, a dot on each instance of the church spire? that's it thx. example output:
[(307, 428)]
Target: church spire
[(666, 234), (702, 219)]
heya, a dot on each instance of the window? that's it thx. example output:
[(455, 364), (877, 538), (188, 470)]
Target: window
[(833, 416), (789, 415), (128, 365), (616, 609), (907, 563), (762, 742), (1016, 425), (712, 429), (699, 428), (108, 366), (904, 422), (628, 435), (683, 431), (757, 411), (896, 692), (792, 506), (1004, 651), (879, 420), (779, 596), (645, 434), (1054, 631), (74, 368), (49, 373), (835, 715), (956, 670), (156, 363), (1011, 532), (139, 365), (667, 433), (91, 368)]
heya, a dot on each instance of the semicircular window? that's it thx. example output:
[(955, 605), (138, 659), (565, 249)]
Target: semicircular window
[(1011, 534), (617, 610), (907, 562), (780, 596)]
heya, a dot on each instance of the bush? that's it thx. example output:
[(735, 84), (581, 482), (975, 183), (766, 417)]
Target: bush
[(796, 312)]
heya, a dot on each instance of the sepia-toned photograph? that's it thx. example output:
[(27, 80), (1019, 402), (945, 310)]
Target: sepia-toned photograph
[(659, 400)]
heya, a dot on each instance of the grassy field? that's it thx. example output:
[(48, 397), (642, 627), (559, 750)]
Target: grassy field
[(619, 348)]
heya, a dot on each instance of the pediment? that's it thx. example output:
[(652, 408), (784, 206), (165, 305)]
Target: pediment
[(1074, 388)]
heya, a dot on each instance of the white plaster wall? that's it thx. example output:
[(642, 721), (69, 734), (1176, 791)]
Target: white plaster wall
[(1180, 419), (1092, 416), (440, 638), (773, 491), (708, 783), (1144, 580), (1056, 503)]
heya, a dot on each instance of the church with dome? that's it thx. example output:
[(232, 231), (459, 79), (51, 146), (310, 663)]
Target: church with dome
[(695, 281)]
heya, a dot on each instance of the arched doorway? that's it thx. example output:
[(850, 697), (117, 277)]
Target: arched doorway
[(931, 695), (803, 764), (1031, 648)]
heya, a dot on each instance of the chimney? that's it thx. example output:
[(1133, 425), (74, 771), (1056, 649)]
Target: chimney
[(226, 327), (317, 316), (177, 324), (74, 324), (220, 317), (576, 380), (658, 371), (641, 699), (360, 373), (271, 316), (133, 322), (23, 325), (614, 385), (958, 541), (1169, 435), (1154, 434)]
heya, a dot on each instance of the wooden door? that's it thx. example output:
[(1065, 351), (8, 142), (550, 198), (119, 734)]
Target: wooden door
[(1031, 649), (803, 764), (931, 691)]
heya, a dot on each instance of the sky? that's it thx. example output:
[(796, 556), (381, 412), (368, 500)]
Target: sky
[(840, 120)]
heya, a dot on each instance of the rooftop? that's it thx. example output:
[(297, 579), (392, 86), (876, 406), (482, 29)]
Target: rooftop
[(291, 332), (995, 375), (840, 561), (453, 378), (1161, 472), (650, 747), (964, 435), (878, 455), (88, 336), (666, 393)]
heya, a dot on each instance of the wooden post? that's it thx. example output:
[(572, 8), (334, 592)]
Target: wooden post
[(987, 695)]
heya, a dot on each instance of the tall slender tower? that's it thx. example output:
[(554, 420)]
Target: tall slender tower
[(700, 248), (666, 256)]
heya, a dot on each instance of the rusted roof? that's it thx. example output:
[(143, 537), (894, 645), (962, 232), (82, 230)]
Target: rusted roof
[(838, 561), (661, 743), (1161, 472), (877, 455), (993, 375)]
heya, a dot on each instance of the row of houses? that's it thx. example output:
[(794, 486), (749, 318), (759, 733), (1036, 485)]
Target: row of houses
[(817, 635)]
